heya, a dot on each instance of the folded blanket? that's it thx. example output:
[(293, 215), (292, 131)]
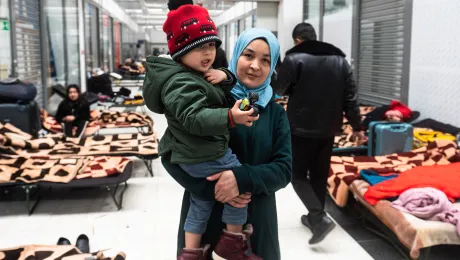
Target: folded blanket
[(428, 203), (373, 177), (43, 252)]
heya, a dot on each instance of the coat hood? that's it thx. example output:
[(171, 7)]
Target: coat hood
[(159, 71)]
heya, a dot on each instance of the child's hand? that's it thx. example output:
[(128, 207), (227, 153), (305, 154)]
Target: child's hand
[(243, 117), (215, 76)]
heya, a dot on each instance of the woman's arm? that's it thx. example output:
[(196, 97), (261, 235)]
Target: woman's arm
[(270, 177), (60, 114)]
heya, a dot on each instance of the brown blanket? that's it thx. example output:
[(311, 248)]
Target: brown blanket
[(105, 119), (42, 252), (63, 170), (15, 142), (344, 170)]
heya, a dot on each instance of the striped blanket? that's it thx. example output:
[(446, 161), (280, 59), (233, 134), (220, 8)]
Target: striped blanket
[(105, 119), (13, 141), (345, 170), (43, 252)]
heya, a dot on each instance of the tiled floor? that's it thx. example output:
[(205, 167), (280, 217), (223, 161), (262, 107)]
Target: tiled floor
[(146, 227)]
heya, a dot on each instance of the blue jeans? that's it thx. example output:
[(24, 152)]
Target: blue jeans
[(200, 210)]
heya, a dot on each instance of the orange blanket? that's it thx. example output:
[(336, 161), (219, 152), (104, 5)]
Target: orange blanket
[(442, 177)]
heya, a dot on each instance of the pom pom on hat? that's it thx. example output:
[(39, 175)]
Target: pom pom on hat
[(174, 4)]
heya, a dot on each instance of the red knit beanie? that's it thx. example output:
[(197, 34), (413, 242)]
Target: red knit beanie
[(403, 109), (187, 27)]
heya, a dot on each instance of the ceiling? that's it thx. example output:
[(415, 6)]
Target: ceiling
[(151, 14)]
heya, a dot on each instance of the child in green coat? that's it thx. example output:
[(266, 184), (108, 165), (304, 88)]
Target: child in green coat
[(199, 120)]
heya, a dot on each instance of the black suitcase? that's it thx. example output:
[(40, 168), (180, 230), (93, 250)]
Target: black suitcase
[(25, 116), (13, 90)]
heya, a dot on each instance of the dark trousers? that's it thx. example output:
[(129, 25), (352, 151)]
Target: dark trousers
[(68, 126), (310, 169)]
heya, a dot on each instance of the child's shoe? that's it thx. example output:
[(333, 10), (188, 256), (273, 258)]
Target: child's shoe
[(194, 254), (235, 246)]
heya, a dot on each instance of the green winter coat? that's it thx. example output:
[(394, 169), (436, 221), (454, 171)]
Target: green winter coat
[(196, 111), (265, 153)]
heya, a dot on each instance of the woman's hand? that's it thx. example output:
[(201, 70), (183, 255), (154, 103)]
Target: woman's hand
[(226, 188), (241, 201), (215, 76), (243, 117)]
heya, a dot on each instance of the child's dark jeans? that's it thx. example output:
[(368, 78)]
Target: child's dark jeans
[(200, 210)]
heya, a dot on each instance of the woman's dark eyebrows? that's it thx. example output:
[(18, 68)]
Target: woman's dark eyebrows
[(253, 51)]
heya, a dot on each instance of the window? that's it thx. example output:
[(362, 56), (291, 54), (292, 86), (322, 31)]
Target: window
[(333, 6), (312, 14), (5, 43), (106, 42)]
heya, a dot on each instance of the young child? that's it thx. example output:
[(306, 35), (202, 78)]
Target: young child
[(199, 121)]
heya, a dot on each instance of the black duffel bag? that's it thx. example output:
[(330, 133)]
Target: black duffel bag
[(15, 90)]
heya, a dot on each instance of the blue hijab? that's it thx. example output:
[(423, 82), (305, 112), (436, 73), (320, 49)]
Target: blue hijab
[(265, 91)]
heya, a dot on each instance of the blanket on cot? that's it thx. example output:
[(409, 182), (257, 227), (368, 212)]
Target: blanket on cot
[(13, 141), (413, 232), (343, 140), (62, 170), (345, 170), (102, 119), (43, 252)]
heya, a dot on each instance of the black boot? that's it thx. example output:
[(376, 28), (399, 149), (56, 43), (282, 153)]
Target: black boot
[(63, 241), (320, 229), (83, 243)]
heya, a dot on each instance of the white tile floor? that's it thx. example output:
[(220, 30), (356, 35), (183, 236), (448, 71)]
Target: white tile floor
[(146, 227)]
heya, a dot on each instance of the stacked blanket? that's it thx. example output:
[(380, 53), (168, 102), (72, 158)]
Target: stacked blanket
[(345, 170), (63, 170), (106, 119), (41, 252), (15, 142)]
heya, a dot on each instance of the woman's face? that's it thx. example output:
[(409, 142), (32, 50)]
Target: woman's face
[(254, 64), (73, 94)]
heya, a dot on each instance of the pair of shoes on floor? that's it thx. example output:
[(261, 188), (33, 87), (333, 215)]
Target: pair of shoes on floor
[(82, 243), (230, 246), (320, 229)]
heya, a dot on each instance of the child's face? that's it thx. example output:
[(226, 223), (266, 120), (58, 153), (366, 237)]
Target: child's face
[(201, 58)]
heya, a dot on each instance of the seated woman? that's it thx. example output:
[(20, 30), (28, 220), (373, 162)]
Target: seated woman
[(73, 112), (263, 149)]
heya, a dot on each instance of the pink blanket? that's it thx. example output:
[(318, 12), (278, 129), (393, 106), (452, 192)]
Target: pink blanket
[(428, 203)]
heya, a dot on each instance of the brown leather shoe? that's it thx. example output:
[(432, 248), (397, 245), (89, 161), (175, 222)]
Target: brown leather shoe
[(194, 254), (234, 246)]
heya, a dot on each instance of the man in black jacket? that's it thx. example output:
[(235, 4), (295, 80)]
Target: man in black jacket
[(320, 86)]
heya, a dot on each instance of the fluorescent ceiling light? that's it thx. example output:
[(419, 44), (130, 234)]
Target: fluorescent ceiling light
[(155, 10), (155, 5), (136, 11)]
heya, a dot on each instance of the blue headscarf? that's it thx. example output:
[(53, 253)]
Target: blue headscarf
[(265, 91)]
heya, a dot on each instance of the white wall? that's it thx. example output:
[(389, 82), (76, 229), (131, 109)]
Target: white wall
[(289, 15), (434, 87), (337, 29), (267, 16), (115, 11), (5, 50)]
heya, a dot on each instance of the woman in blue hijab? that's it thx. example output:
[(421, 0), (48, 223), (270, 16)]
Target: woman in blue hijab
[(264, 149)]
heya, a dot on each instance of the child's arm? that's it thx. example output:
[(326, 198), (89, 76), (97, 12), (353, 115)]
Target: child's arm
[(221, 76), (186, 99)]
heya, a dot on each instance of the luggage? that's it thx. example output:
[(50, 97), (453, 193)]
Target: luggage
[(25, 116), (389, 137), (14, 90)]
